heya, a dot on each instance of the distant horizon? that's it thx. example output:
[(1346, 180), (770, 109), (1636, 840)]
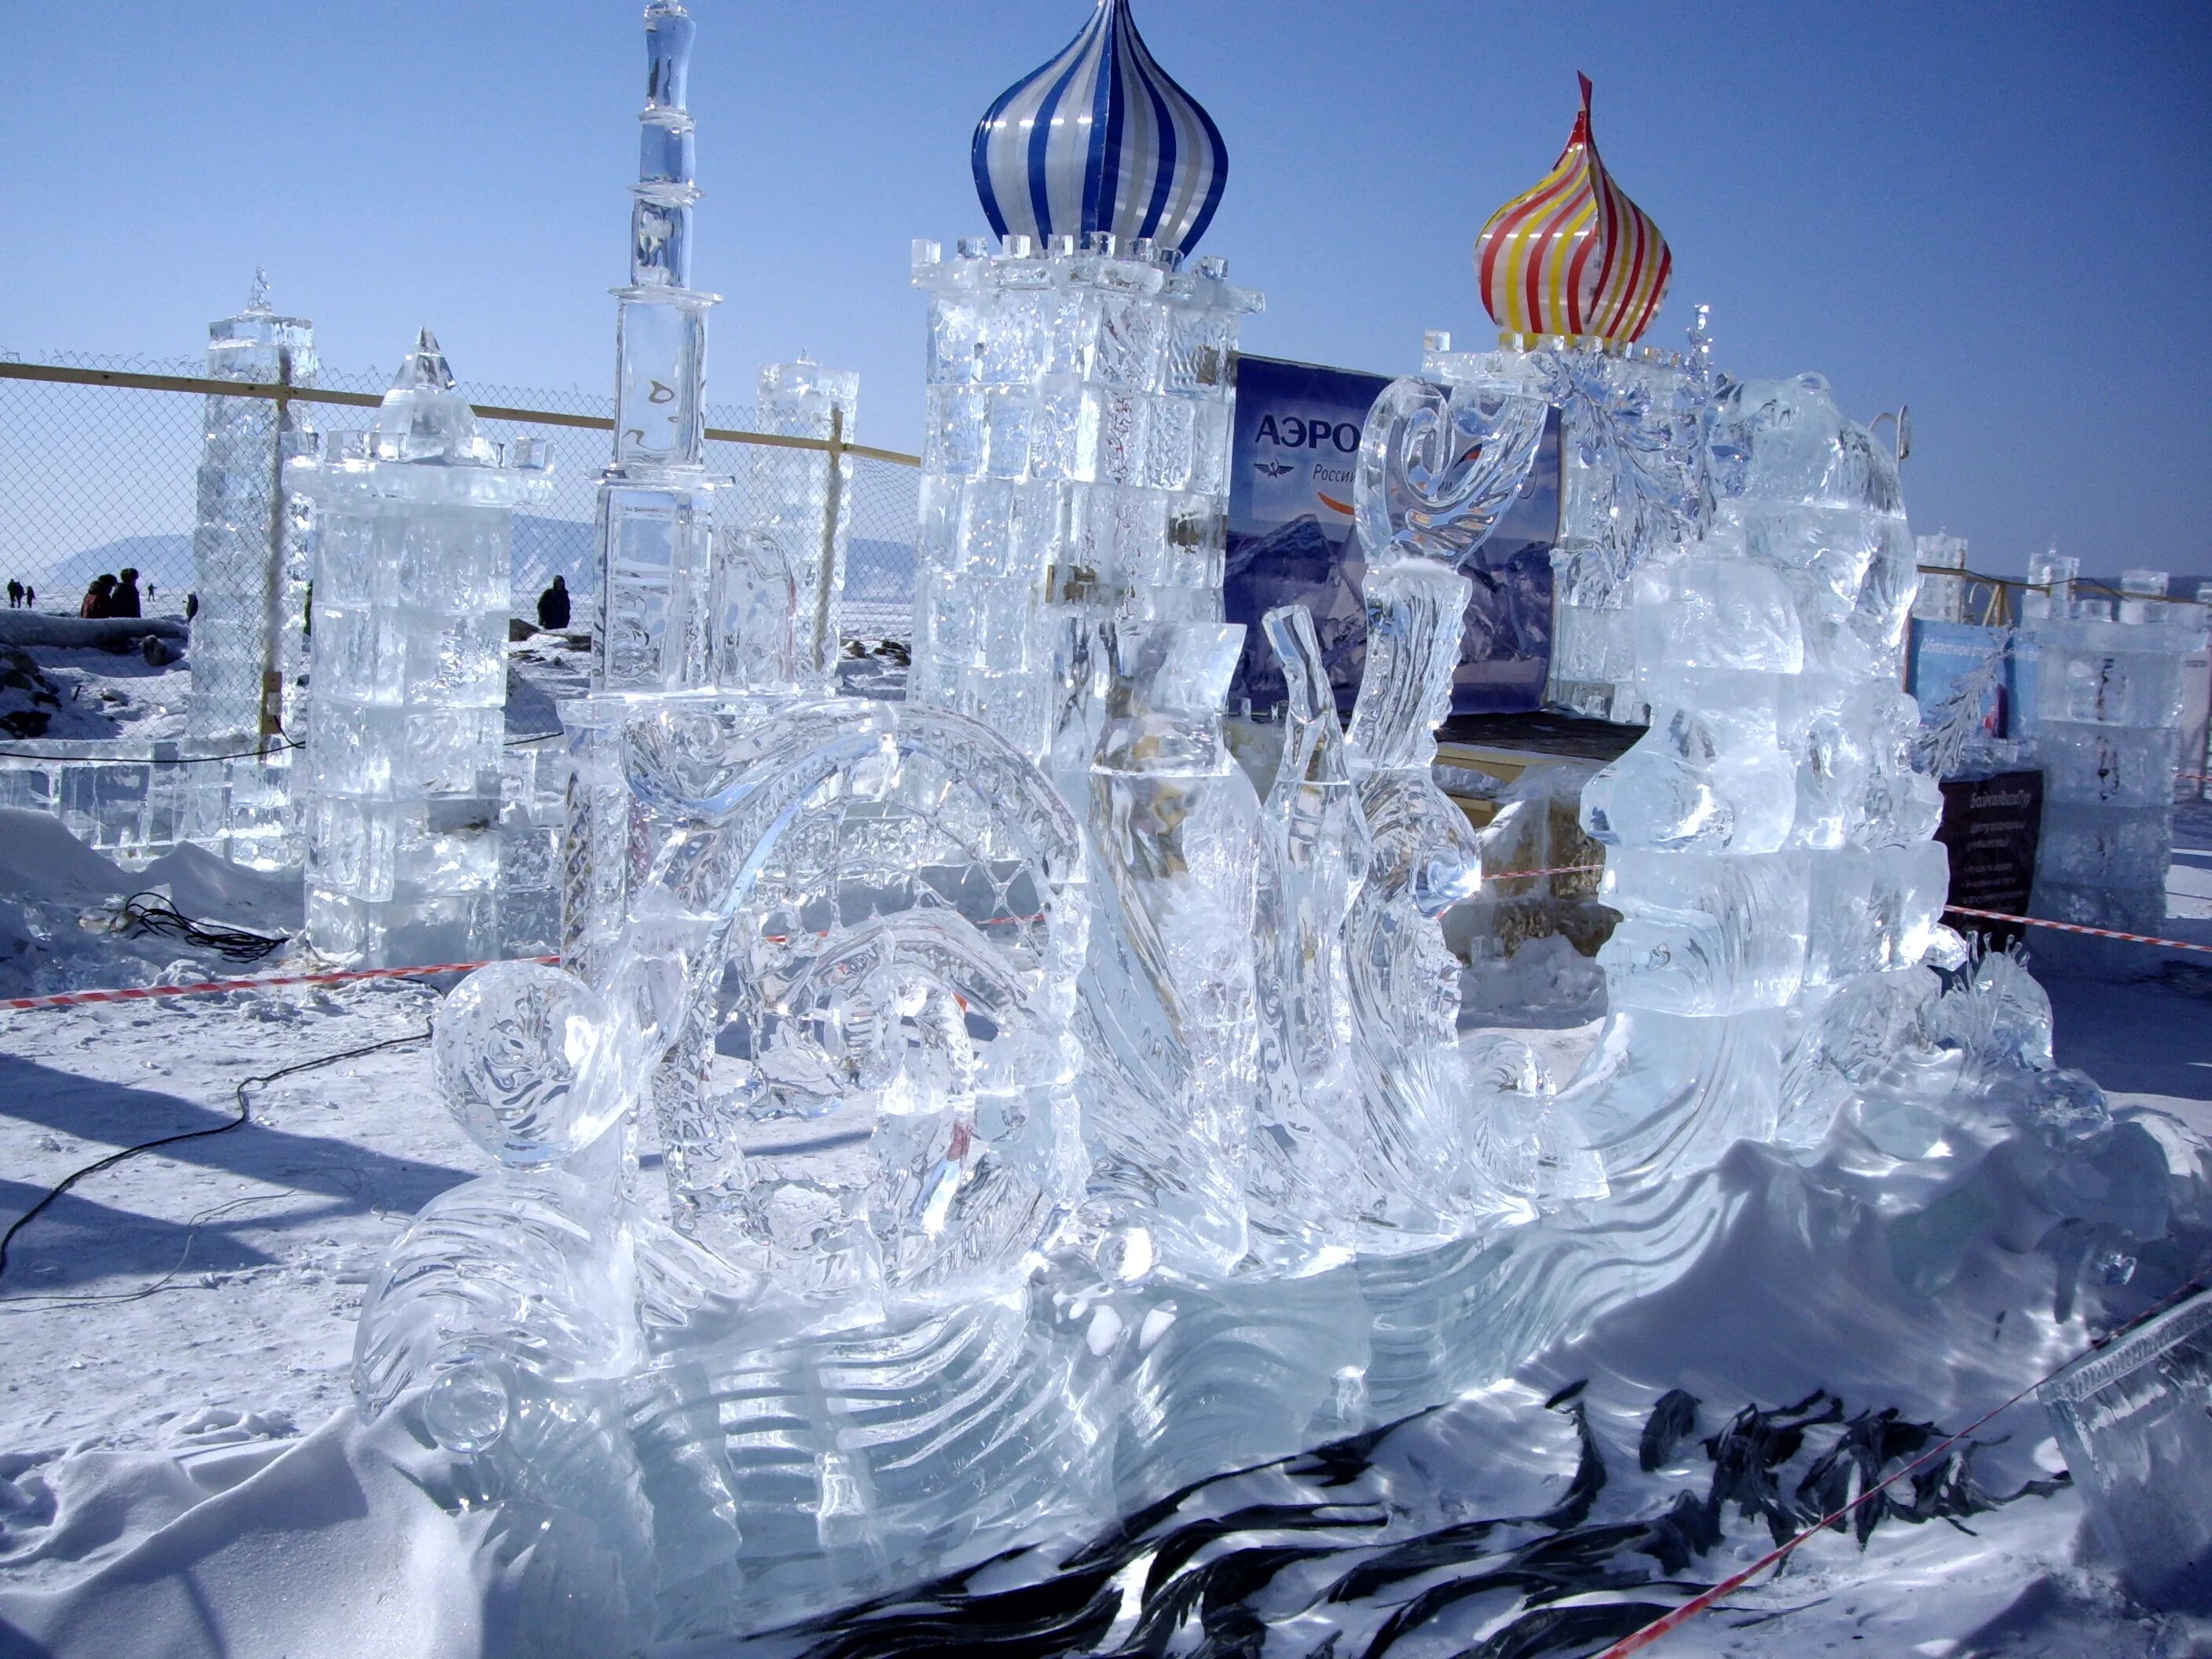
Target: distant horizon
[(1953, 209)]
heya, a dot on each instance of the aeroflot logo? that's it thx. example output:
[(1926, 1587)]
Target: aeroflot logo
[(1295, 432)]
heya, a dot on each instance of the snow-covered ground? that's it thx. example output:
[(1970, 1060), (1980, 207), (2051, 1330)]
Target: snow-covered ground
[(180, 1470)]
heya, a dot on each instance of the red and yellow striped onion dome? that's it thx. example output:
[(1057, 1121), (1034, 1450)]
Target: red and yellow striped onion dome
[(1574, 255)]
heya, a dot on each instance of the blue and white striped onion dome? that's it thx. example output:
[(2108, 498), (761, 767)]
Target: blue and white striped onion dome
[(1101, 138)]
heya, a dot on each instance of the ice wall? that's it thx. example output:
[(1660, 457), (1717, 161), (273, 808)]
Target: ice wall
[(403, 764), (1768, 841)]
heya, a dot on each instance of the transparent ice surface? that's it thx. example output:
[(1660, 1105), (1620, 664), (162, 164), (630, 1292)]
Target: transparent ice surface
[(2109, 711), (404, 762), (2134, 1422), (1316, 853), (1075, 471), (957, 1122), (778, 582), (248, 550)]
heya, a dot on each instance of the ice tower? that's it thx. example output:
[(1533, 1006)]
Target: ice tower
[(2110, 696), (1076, 443), (777, 588), (249, 549), (411, 600), (656, 513)]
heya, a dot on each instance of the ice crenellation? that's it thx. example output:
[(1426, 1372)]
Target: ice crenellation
[(958, 1122)]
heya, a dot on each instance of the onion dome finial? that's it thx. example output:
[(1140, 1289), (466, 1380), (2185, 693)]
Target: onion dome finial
[(1100, 138), (1573, 255)]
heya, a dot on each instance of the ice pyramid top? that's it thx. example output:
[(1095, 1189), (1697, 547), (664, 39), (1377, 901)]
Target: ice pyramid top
[(1573, 255), (1100, 138), (255, 343), (424, 419)]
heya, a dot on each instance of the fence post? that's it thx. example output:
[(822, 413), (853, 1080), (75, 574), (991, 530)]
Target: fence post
[(826, 647)]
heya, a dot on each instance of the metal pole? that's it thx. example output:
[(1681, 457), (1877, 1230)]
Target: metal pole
[(825, 645)]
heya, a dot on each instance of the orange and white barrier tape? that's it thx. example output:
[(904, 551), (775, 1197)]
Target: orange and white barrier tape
[(2077, 928), (203, 987)]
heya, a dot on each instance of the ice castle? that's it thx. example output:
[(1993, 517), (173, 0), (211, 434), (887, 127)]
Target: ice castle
[(958, 1122)]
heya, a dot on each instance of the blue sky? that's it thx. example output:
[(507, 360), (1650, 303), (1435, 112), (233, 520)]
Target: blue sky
[(2000, 214)]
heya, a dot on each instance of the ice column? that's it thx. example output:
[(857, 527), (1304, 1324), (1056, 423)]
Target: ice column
[(2109, 711), (1075, 437), (1768, 841), (249, 540), (1942, 599), (778, 584), (656, 512), (410, 610)]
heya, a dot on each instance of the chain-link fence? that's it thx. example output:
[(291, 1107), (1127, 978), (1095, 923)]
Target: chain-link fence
[(99, 470)]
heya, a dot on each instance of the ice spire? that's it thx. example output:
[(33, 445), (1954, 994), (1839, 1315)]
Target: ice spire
[(656, 506), (422, 417)]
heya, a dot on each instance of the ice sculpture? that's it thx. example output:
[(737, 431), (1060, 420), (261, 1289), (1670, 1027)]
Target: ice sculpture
[(404, 763), (1170, 998), (249, 543), (2109, 712), (1769, 842), (656, 525), (1424, 859), (1075, 450), (1942, 599), (1573, 272), (777, 585), (1042, 1122), (1318, 847)]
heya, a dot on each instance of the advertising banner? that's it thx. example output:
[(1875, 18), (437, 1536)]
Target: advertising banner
[(1291, 541), (1941, 655)]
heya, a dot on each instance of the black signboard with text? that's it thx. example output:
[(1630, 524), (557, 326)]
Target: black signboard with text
[(1990, 825)]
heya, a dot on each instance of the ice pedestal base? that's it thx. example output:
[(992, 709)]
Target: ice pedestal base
[(790, 1479), (2134, 1422)]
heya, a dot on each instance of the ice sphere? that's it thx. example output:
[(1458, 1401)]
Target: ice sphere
[(2134, 1422), (514, 1052)]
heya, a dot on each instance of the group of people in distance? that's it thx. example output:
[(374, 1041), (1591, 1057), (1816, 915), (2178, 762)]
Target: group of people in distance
[(117, 596), (109, 596)]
